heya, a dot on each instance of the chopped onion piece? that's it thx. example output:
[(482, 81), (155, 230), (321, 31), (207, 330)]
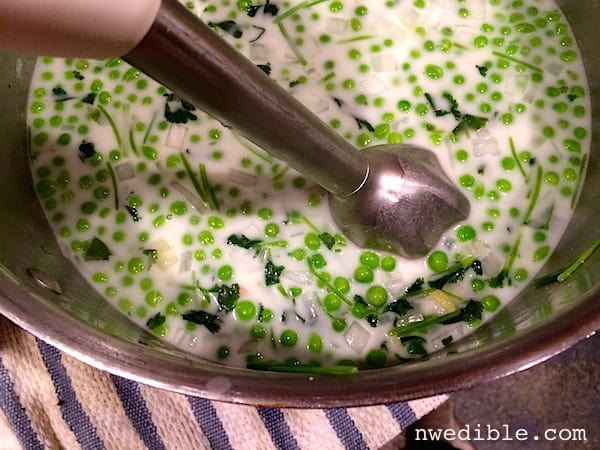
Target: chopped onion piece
[(530, 94), (515, 85), (435, 17), (410, 18), (357, 337), (336, 26), (542, 213), (186, 262), (124, 171), (259, 52), (384, 62), (464, 34), (442, 303), (297, 276), (553, 67), (485, 144), (242, 178), (415, 318), (194, 200), (373, 84), (491, 265), (176, 136), (165, 256)]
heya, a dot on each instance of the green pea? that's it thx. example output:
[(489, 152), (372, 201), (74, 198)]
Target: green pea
[(271, 230), (153, 298), (225, 272), (315, 343), (257, 332), (342, 284), (376, 358), (388, 263), (369, 259), (490, 303), (289, 338), (363, 274), (465, 233), (223, 352), (245, 310), (331, 302), (312, 241), (376, 295), (135, 265), (434, 72), (438, 261), (541, 253)]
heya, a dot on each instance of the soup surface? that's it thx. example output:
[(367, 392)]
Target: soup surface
[(222, 250)]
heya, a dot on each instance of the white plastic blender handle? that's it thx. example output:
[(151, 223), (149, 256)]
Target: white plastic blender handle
[(75, 28)]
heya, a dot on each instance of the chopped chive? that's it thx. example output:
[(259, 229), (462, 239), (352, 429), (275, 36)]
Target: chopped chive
[(113, 125), (132, 143), (518, 61), (413, 327), (578, 188), (114, 184), (208, 188), (303, 368), (513, 152), (292, 45), (535, 194)]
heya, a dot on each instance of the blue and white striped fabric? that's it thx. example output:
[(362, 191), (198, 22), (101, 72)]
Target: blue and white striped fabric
[(49, 400)]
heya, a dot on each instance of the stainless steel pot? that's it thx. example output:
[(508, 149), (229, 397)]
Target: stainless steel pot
[(43, 293)]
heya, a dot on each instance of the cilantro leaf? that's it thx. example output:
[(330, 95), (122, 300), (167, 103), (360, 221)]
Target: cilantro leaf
[(498, 280), (400, 306), (97, 251), (471, 312), (133, 212), (266, 68), (416, 286), (212, 322), (229, 27), (90, 98), (327, 239), (483, 70), (243, 241), (414, 345), (86, 150), (182, 112), (227, 296), (447, 340), (272, 273), (155, 321)]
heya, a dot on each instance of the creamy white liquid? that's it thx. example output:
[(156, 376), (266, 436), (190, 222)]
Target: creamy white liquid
[(366, 72)]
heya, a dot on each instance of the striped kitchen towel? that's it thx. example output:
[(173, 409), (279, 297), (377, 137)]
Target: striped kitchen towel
[(49, 400)]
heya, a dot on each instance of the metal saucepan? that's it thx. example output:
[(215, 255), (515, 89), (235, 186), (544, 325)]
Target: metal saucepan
[(42, 292)]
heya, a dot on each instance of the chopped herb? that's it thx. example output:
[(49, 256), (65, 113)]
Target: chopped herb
[(156, 321), (270, 8), (470, 122), (272, 273), (261, 31), (358, 299), (416, 286), (97, 251), (227, 296), (133, 212), (470, 313), (372, 319), (477, 268), (562, 274), (86, 150), (89, 99), (414, 345), (243, 241), (454, 274), (338, 101), (498, 280), (251, 10), (283, 317), (406, 329), (152, 253), (327, 239), (483, 70), (59, 91), (400, 306), (77, 75), (212, 322), (363, 123), (572, 97), (201, 184), (266, 68), (447, 341), (229, 27), (178, 110)]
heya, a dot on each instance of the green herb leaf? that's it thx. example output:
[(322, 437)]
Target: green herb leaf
[(133, 212), (155, 321), (406, 329), (447, 340), (90, 98), (470, 313), (483, 70), (97, 251), (327, 239), (400, 306), (227, 296), (416, 286), (243, 241), (414, 345), (212, 322), (272, 272), (301, 368), (86, 150), (266, 68), (229, 27), (178, 110), (454, 274)]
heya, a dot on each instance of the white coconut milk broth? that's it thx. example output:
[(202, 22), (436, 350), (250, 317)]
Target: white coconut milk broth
[(115, 173)]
